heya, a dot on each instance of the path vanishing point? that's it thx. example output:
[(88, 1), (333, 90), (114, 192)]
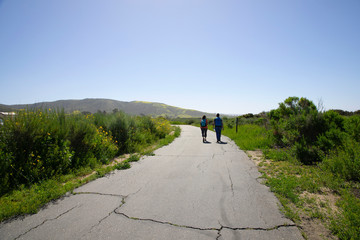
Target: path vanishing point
[(188, 190)]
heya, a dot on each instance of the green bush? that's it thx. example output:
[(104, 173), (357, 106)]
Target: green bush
[(120, 128), (297, 124), (33, 147), (131, 133), (89, 142), (37, 145), (352, 127), (345, 162), (295, 119)]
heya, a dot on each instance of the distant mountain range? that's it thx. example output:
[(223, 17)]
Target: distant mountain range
[(107, 105)]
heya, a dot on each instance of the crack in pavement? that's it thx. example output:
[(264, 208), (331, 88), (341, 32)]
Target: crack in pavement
[(202, 163), (207, 229), (165, 223), (113, 211), (97, 193), (100, 221), (46, 220), (109, 194), (253, 229), (123, 198), (219, 233), (260, 229), (107, 216), (231, 182)]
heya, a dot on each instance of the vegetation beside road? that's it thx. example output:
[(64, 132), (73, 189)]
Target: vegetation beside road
[(311, 161), (46, 153)]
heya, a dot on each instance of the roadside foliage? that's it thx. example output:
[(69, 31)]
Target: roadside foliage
[(42, 144), (311, 161)]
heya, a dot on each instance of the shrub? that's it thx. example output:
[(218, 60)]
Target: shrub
[(120, 129), (88, 142), (37, 145), (162, 127), (33, 147), (295, 119), (297, 124), (352, 127), (346, 161), (307, 153)]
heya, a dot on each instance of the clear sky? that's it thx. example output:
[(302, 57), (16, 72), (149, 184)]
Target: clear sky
[(228, 56)]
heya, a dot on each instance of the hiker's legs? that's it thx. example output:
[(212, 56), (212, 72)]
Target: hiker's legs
[(203, 133), (218, 133)]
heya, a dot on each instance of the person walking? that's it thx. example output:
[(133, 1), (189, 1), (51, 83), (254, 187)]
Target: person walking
[(218, 124), (204, 128)]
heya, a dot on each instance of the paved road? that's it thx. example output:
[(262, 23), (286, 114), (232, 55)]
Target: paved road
[(188, 190)]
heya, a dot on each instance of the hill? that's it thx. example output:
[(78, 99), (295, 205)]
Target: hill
[(5, 108), (133, 108)]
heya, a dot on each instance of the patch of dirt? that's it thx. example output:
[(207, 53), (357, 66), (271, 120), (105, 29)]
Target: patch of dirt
[(325, 198), (119, 160), (257, 157), (313, 228), (324, 202)]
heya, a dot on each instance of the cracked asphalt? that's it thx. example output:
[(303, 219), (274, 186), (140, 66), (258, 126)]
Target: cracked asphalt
[(188, 190)]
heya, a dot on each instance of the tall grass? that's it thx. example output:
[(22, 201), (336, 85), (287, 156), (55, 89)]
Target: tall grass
[(38, 145), (250, 136)]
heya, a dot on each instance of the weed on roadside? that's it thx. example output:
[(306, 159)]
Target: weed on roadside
[(122, 165), (134, 158)]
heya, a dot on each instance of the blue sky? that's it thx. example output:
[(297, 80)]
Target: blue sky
[(228, 56)]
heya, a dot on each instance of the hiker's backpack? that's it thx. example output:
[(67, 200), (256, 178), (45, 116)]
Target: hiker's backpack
[(203, 123)]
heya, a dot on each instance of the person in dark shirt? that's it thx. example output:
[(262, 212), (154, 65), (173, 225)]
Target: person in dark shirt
[(218, 124)]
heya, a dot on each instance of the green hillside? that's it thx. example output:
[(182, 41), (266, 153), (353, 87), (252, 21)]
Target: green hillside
[(133, 108)]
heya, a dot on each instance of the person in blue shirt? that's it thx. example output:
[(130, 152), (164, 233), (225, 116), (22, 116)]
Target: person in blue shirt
[(218, 125)]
